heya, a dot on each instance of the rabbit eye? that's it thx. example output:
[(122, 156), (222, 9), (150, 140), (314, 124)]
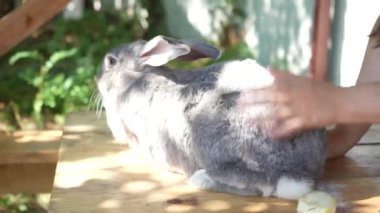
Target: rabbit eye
[(110, 62)]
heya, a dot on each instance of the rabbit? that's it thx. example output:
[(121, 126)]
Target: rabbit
[(190, 121)]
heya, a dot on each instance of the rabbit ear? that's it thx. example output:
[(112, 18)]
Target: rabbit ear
[(199, 50), (160, 50)]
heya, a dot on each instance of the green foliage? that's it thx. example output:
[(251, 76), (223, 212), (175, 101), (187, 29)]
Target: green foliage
[(19, 203), (49, 90), (53, 74), (238, 51)]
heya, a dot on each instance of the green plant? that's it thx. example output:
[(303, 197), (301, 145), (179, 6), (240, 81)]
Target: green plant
[(19, 203), (49, 88), (238, 51), (53, 74)]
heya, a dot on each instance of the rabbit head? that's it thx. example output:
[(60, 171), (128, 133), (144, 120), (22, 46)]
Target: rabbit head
[(138, 57)]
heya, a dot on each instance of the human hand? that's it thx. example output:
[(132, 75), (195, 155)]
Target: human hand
[(297, 103)]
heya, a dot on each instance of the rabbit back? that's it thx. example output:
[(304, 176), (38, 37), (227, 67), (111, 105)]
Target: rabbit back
[(192, 122), (243, 156)]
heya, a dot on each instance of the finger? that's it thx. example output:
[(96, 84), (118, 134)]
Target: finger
[(283, 112), (268, 111), (258, 111), (286, 128), (256, 96), (266, 115)]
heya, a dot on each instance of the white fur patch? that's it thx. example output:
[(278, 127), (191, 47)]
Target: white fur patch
[(266, 189), (201, 179), (289, 188), (245, 74)]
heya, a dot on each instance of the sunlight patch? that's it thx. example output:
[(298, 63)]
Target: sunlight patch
[(139, 186), (216, 205)]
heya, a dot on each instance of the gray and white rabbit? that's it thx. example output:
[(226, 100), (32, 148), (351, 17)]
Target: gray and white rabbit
[(190, 120)]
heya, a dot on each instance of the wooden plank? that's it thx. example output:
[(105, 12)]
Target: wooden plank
[(95, 174), (29, 147), (17, 25), (27, 178), (28, 160), (362, 161), (13, 153), (372, 136), (25, 136), (321, 35)]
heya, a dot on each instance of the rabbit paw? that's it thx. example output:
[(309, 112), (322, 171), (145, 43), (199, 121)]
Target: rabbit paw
[(202, 180)]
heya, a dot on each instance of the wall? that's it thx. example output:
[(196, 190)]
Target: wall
[(353, 21), (278, 31)]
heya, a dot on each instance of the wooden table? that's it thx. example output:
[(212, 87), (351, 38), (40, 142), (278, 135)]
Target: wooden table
[(95, 174)]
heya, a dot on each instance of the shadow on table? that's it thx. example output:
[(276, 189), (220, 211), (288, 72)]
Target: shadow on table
[(118, 180), (95, 174)]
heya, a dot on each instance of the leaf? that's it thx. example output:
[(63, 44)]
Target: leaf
[(56, 57), (37, 81), (68, 83), (25, 54), (37, 106)]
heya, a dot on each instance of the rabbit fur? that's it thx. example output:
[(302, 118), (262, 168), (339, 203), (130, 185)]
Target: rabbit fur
[(190, 120)]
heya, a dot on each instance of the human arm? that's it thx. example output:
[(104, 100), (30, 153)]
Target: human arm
[(301, 103), (344, 136)]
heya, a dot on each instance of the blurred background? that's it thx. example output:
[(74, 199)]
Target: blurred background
[(51, 73)]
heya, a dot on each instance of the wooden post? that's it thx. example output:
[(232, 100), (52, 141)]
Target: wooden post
[(17, 25), (321, 35)]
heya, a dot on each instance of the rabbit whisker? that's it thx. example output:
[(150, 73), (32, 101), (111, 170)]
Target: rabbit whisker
[(91, 102), (99, 105)]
